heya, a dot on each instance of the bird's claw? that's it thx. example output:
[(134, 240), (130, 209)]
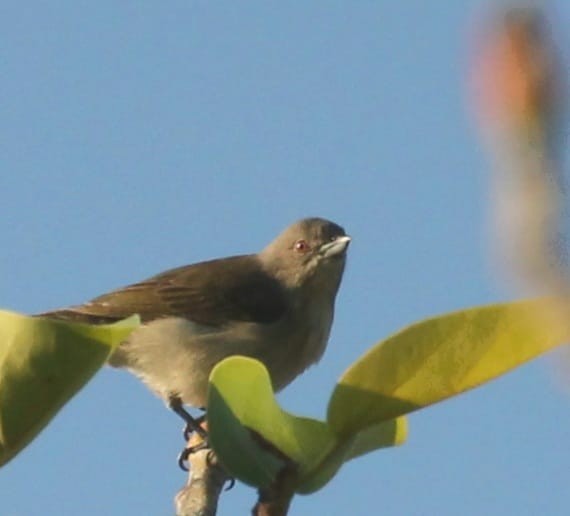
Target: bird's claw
[(189, 450), (185, 454)]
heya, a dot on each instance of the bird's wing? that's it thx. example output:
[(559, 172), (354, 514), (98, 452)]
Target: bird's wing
[(211, 293)]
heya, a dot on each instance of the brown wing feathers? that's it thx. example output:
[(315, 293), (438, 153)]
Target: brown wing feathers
[(209, 293)]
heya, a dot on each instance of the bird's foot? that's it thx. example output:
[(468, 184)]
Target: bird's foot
[(189, 450), (195, 430), (183, 458)]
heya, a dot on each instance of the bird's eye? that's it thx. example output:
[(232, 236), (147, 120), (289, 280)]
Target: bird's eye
[(301, 246)]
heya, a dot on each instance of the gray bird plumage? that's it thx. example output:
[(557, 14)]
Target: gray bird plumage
[(276, 306)]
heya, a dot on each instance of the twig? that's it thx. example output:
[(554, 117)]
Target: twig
[(276, 499), (205, 482)]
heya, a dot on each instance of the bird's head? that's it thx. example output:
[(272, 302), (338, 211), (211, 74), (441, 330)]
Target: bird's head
[(312, 250)]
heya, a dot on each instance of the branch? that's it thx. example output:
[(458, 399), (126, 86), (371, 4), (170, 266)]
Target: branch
[(276, 499), (205, 482)]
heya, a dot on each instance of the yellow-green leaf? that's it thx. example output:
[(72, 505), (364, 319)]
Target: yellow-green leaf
[(382, 435), (254, 438), (441, 357), (43, 363), (250, 432)]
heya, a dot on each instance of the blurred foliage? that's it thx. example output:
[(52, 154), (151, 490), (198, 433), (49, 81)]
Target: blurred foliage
[(519, 94)]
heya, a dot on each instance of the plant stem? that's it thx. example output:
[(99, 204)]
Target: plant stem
[(276, 499)]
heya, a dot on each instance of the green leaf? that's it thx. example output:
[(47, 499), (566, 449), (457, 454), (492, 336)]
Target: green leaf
[(43, 363), (441, 357), (254, 438), (375, 437), (381, 435), (251, 434)]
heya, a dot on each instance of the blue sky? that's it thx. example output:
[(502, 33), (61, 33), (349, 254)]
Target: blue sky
[(139, 136)]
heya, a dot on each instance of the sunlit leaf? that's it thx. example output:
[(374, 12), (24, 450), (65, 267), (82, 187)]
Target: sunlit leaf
[(255, 439), (375, 437), (252, 435), (43, 363), (438, 358)]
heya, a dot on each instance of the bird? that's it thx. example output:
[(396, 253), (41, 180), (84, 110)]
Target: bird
[(276, 306)]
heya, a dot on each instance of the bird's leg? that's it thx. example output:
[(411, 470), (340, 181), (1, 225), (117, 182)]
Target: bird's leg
[(192, 424)]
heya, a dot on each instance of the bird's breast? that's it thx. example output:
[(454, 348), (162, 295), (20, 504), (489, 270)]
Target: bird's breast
[(294, 344)]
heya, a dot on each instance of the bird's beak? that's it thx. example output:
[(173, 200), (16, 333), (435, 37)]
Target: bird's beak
[(335, 248)]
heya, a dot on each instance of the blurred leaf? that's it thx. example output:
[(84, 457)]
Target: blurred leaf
[(254, 438), (438, 358), (43, 363), (516, 75)]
